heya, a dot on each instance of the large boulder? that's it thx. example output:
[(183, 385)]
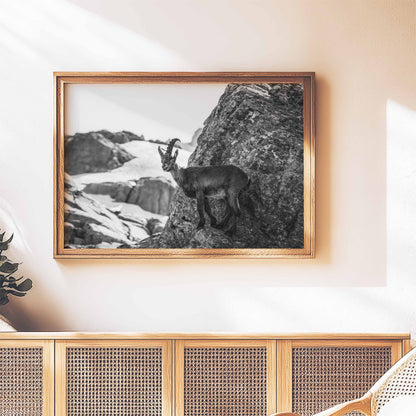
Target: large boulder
[(259, 128), (93, 152), (151, 194), (119, 191)]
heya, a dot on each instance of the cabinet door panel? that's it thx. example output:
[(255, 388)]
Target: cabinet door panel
[(326, 373), (26, 378), (120, 378), (227, 378)]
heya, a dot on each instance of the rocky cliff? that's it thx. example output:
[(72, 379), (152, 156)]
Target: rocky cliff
[(259, 128)]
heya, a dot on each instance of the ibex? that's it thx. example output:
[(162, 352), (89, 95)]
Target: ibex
[(203, 182)]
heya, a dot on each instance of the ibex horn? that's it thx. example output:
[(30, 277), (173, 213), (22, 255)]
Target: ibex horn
[(170, 146)]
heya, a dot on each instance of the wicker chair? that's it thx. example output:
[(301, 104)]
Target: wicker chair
[(400, 380)]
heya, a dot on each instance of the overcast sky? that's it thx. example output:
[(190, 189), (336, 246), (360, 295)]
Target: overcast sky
[(158, 111)]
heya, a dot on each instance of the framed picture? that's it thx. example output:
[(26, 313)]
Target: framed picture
[(187, 165)]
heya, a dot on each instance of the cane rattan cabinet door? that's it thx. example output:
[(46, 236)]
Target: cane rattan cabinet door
[(323, 374), (225, 378), (26, 378), (114, 377)]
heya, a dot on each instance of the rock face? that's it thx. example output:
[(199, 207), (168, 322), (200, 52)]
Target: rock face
[(89, 224), (210, 238), (259, 128), (151, 194), (94, 152)]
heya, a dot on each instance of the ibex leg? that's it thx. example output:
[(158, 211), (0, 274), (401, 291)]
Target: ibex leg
[(232, 225), (235, 212), (226, 216), (236, 204), (200, 205), (209, 212)]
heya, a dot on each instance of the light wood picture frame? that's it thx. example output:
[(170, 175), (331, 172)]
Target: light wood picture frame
[(120, 193)]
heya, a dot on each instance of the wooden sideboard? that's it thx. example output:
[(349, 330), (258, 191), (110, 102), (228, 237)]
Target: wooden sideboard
[(125, 374)]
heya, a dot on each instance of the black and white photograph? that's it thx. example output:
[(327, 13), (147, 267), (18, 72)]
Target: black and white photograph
[(217, 165)]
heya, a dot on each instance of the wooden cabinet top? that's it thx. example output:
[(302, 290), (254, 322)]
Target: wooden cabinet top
[(207, 335)]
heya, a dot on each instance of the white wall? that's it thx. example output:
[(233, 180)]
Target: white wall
[(363, 52)]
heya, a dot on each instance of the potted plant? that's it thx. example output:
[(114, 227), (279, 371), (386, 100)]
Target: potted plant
[(9, 283)]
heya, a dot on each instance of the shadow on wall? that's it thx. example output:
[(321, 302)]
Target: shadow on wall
[(323, 176), (27, 26), (18, 309), (241, 26)]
